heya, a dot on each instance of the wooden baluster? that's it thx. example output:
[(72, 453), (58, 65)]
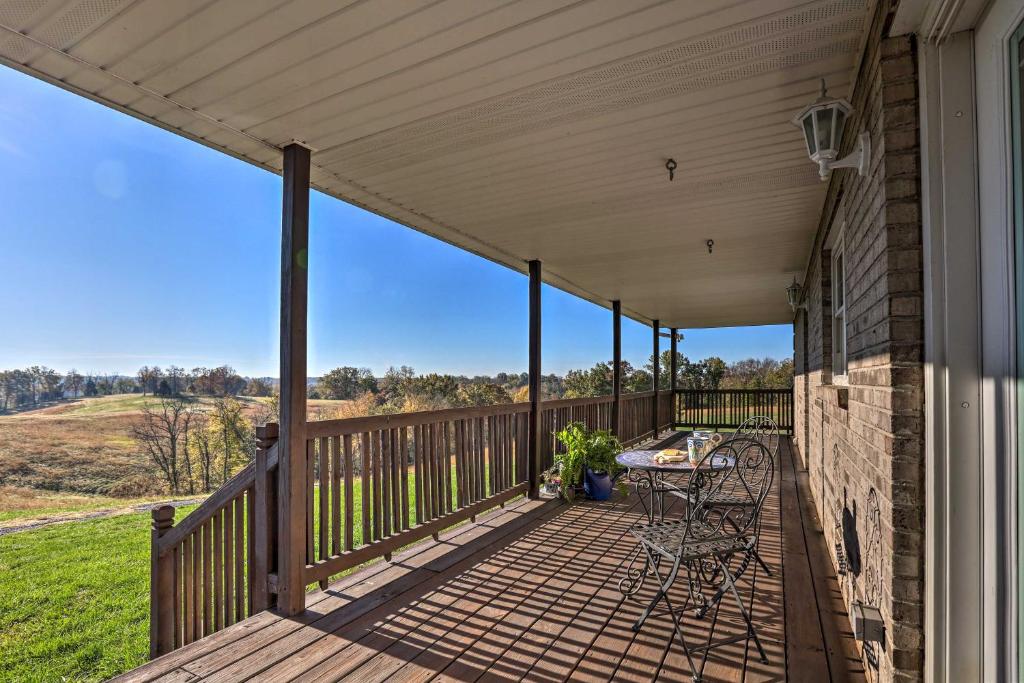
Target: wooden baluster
[(403, 445), (189, 590), (428, 472), (437, 474), (417, 470), (349, 491), (162, 587), (208, 578), (396, 480), (378, 506), (218, 572), (384, 456), (481, 459), (460, 470), (324, 502), (335, 495), (229, 563), (470, 429), (367, 488), (240, 554), (310, 479), (197, 584), (448, 451)]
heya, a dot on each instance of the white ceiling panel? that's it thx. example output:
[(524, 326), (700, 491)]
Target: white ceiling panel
[(516, 129)]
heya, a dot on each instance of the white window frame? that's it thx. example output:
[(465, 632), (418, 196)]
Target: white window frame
[(838, 317)]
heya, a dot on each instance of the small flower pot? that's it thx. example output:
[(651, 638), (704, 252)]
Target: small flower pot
[(597, 486)]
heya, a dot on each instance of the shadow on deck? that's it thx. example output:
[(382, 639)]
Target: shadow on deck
[(530, 593)]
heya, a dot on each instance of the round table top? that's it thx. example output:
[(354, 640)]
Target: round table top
[(645, 460)]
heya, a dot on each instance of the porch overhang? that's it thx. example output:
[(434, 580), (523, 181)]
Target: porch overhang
[(536, 129)]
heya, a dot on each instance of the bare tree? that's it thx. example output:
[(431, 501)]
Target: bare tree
[(159, 433), (73, 382)]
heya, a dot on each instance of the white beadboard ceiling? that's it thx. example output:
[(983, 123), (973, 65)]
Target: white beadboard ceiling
[(515, 129)]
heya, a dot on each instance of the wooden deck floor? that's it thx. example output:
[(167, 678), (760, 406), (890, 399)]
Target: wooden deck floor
[(530, 593)]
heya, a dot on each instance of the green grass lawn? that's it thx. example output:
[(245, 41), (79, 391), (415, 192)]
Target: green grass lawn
[(74, 600), (74, 597)]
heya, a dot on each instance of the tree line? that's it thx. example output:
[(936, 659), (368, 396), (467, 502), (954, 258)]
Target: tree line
[(39, 384), (402, 390)]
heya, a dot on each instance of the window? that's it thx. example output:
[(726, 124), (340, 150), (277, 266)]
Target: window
[(838, 311)]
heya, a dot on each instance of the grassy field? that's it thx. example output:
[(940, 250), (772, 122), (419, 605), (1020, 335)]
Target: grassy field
[(80, 454), (19, 504)]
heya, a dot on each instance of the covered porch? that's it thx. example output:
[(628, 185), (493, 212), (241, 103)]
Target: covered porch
[(529, 591), (638, 155)]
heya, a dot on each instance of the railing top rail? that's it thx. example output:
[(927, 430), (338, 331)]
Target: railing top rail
[(570, 402), (637, 394), (369, 423), (784, 390), (217, 500)]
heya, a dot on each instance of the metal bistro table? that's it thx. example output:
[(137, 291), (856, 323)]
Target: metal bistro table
[(648, 478)]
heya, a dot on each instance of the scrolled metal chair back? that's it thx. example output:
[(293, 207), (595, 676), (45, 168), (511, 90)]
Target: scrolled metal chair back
[(728, 489), (762, 428)]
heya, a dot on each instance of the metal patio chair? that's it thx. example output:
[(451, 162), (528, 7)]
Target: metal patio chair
[(714, 543), (766, 430)]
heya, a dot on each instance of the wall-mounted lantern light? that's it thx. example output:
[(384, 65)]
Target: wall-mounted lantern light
[(793, 292), (822, 124)]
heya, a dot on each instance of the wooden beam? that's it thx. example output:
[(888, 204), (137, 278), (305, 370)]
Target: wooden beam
[(616, 366), (656, 327), (674, 369), (292, 443), (533, 467)]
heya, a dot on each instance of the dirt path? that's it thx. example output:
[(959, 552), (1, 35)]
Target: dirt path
[(15, 526)]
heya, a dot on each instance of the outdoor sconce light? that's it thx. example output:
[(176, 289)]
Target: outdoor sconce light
[(793, 293), (822, 123), (868, 626)]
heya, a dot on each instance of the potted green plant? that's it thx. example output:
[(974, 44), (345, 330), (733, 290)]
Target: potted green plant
[(588, 459)]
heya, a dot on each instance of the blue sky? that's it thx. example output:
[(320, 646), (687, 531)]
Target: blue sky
[(124, 245)]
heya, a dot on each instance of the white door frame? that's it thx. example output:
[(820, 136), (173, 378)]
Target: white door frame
[(953, 519), (999, 384)]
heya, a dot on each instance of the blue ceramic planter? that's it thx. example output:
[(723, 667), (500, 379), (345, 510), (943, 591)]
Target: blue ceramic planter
[(597, 486)]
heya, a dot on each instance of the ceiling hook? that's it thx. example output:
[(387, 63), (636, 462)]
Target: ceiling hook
[(671, 165), (711, 244)]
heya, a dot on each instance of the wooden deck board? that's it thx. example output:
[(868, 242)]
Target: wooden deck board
[(531, 593)]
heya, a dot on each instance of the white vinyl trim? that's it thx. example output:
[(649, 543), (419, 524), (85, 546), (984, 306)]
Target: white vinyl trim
[(998, 454), (953, 519)]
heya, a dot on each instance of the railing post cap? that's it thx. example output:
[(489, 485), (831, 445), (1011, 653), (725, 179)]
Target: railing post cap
[(268, 431), (163, 517)]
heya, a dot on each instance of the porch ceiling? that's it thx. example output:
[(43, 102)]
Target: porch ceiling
[(516, 130)]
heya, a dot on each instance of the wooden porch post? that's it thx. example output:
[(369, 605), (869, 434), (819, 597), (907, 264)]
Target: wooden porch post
[(616, 366), (656, 326), (291, 479), (533, 466), (162, 574), (674, 369)]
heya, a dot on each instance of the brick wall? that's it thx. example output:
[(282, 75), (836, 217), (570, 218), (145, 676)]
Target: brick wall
[(863, 443)]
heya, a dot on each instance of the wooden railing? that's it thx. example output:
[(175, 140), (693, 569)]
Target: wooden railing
[(725, 408), (595, 412), (204, 571), (418, 473), (373, 485)]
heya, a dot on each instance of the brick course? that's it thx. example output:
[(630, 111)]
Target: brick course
[(876, 440)]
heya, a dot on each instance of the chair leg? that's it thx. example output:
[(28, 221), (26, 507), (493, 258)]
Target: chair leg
[(662, 594), (663, 587), (751, 632), (757, 557)]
